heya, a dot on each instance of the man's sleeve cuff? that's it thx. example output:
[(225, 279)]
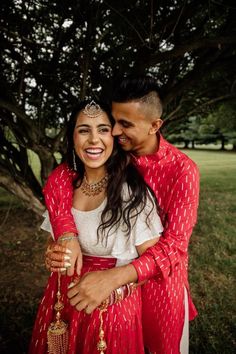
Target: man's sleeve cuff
[(145, 267)]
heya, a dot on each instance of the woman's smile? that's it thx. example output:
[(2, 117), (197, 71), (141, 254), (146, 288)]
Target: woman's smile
[(94, 153)]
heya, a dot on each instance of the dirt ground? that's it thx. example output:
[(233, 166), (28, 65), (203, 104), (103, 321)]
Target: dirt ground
[(22, 277)]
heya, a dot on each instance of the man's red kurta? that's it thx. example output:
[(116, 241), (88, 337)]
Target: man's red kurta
[(175, 180)]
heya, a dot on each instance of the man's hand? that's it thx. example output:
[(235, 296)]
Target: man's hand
[(94, 287), (65, 257)]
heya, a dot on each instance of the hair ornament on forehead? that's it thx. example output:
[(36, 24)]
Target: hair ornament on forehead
[(92, 110)]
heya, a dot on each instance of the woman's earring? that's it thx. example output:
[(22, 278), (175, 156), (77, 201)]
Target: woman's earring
[(74, 162)]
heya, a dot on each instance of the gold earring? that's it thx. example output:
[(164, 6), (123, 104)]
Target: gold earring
[(74, 161)]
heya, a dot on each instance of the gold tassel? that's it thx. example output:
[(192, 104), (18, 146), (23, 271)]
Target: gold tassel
[(58, 336), (102, 345)]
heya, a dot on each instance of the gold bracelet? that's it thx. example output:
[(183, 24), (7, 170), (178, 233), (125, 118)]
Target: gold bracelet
[(67, 238)]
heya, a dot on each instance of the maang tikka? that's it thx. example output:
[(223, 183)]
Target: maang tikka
[(92, 110)]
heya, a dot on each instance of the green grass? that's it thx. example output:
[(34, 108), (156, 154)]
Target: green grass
[(212, 254)]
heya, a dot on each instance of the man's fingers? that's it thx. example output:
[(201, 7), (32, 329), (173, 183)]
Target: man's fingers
[(79, 264), (89, 309), (83, 305), (72, 292), (75, 300)]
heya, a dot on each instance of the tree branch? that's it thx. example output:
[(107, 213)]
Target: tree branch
[(200, 107), (23, 119), (127, 21), (180, 50)]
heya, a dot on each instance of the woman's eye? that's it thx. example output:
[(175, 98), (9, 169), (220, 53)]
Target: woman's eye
[(104, 130), (83, 131)]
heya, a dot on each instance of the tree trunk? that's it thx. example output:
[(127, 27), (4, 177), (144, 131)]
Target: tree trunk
[(23, 192), (222, 143), (186, 144)]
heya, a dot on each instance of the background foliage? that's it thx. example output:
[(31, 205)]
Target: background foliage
[(56, 52)]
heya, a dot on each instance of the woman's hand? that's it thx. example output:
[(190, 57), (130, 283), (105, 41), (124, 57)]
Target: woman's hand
[(64, 256)]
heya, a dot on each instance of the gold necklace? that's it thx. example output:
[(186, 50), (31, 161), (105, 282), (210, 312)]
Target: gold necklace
[(93, 188)]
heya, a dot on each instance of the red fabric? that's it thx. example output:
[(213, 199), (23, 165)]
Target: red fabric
[(122, 322), (175, 180), (58, 196)]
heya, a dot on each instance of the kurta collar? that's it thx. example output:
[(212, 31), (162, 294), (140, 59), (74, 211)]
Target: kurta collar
[(157, 156)]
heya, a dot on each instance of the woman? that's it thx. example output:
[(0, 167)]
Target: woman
[(113, 209)]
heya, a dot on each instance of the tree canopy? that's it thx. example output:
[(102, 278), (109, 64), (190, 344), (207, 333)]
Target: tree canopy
[(57, 52)]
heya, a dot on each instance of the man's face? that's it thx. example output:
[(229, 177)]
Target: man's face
[(133, 128)]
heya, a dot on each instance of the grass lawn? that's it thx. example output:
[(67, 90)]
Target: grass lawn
[(212, 262), (212, 255)]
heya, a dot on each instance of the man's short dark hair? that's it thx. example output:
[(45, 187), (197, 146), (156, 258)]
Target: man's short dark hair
[(133, 88), (143, 89)]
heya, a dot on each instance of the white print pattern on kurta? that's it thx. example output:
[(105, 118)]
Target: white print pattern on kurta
[(123, 336), (166, 263), (175, 181)]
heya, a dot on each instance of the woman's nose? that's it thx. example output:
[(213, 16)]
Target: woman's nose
[(94, 137)]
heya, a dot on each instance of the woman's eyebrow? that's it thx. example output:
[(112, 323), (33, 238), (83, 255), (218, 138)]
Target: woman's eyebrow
[(82, 125), (104, 125), (88, 126)]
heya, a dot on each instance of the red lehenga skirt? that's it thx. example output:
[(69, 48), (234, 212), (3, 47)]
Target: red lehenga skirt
[(121, 322)]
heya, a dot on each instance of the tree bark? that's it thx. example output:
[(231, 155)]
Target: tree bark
[(222, 143), (23, 192)]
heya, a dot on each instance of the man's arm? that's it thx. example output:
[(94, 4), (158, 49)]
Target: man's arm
[(163, 258), (158, 261), (58, 195)]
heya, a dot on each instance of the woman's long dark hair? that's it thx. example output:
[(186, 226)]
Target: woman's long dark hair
[(117, 212)]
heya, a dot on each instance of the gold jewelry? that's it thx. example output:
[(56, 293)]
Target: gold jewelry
[(119, 295), (101, 345), (74, 160), (92, 110), (58, 335), (68, 238), (94, 188)]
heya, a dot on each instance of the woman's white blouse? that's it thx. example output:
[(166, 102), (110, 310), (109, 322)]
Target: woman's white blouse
[(118, 244)]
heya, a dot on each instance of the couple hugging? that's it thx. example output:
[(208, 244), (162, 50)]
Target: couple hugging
[(120, 210)]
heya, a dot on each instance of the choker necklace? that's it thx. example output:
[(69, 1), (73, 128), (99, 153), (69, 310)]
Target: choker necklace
[(93, 188)]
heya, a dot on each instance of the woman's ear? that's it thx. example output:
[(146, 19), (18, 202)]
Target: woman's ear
[(156, 125)]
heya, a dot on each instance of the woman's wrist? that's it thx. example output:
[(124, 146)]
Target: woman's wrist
[(67, 237)]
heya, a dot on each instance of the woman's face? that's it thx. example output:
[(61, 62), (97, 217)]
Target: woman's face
[(93, 141)]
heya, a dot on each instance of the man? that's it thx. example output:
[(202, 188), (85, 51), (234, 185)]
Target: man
[(137, 109)]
